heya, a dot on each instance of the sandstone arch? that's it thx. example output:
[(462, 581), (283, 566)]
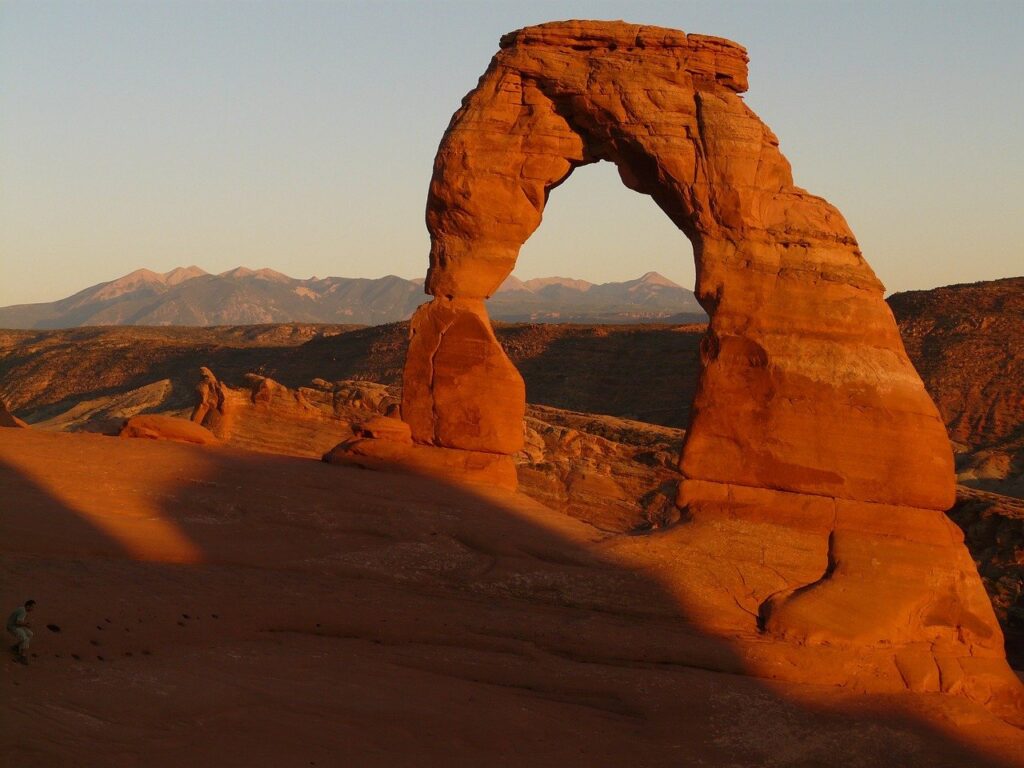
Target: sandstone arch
[(806, 386), (812, 438)]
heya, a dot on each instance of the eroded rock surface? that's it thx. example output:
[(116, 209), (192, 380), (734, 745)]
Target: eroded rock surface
[(815, 468), (800, 335), (219, 604), (8, 419), (269, 417), (153, 426), (993, 527), (616, 474)]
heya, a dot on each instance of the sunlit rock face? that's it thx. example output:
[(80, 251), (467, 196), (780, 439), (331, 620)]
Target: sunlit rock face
[(266, 416), (815, 467), (805, 385)]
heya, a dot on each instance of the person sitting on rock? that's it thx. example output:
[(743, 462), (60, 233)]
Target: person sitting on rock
[(18, 625)]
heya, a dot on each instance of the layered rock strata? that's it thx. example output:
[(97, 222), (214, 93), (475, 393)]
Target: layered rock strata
[(815, 462), (269, 417)]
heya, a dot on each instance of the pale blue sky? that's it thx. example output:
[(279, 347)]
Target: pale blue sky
[(300, 136)]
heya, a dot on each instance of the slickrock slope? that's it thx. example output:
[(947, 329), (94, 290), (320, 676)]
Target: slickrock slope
[(107, 413), (268, 417), (8, 419), (815, 467), (615, 474), (967, 342), (218, 607)]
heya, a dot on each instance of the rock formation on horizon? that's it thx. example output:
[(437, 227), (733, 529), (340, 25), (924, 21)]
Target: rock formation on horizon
[(816, 468)]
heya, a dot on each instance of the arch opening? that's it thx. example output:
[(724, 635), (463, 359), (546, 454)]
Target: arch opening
[(597, 233), (589, 347)]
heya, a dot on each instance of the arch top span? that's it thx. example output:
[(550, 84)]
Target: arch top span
[(701, 55), (663, 106)]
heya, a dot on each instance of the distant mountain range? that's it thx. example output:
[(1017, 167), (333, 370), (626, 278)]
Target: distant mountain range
[(191, 296), (651, 298)]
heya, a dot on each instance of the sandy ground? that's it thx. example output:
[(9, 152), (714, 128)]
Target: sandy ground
[(223, 608)]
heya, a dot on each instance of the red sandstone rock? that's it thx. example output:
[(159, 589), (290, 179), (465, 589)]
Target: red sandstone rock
[(497, 622), (156, 427), (385, 428), (615, 474), (805, 384), (269, 417), (460, 390), (8, 419), (815, 464)]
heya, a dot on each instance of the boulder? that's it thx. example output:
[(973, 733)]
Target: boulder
[(157, 427)]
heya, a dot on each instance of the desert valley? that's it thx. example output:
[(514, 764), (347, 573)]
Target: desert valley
[(774, 521)]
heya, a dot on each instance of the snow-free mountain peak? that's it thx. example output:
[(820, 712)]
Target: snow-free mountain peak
[(191, 296), (654, 278), (181, 274), (538, 283)]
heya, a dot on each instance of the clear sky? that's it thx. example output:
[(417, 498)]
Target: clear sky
[(300, 136)]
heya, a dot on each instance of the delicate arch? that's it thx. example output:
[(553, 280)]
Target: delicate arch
[(805, 384), (815, 464)]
